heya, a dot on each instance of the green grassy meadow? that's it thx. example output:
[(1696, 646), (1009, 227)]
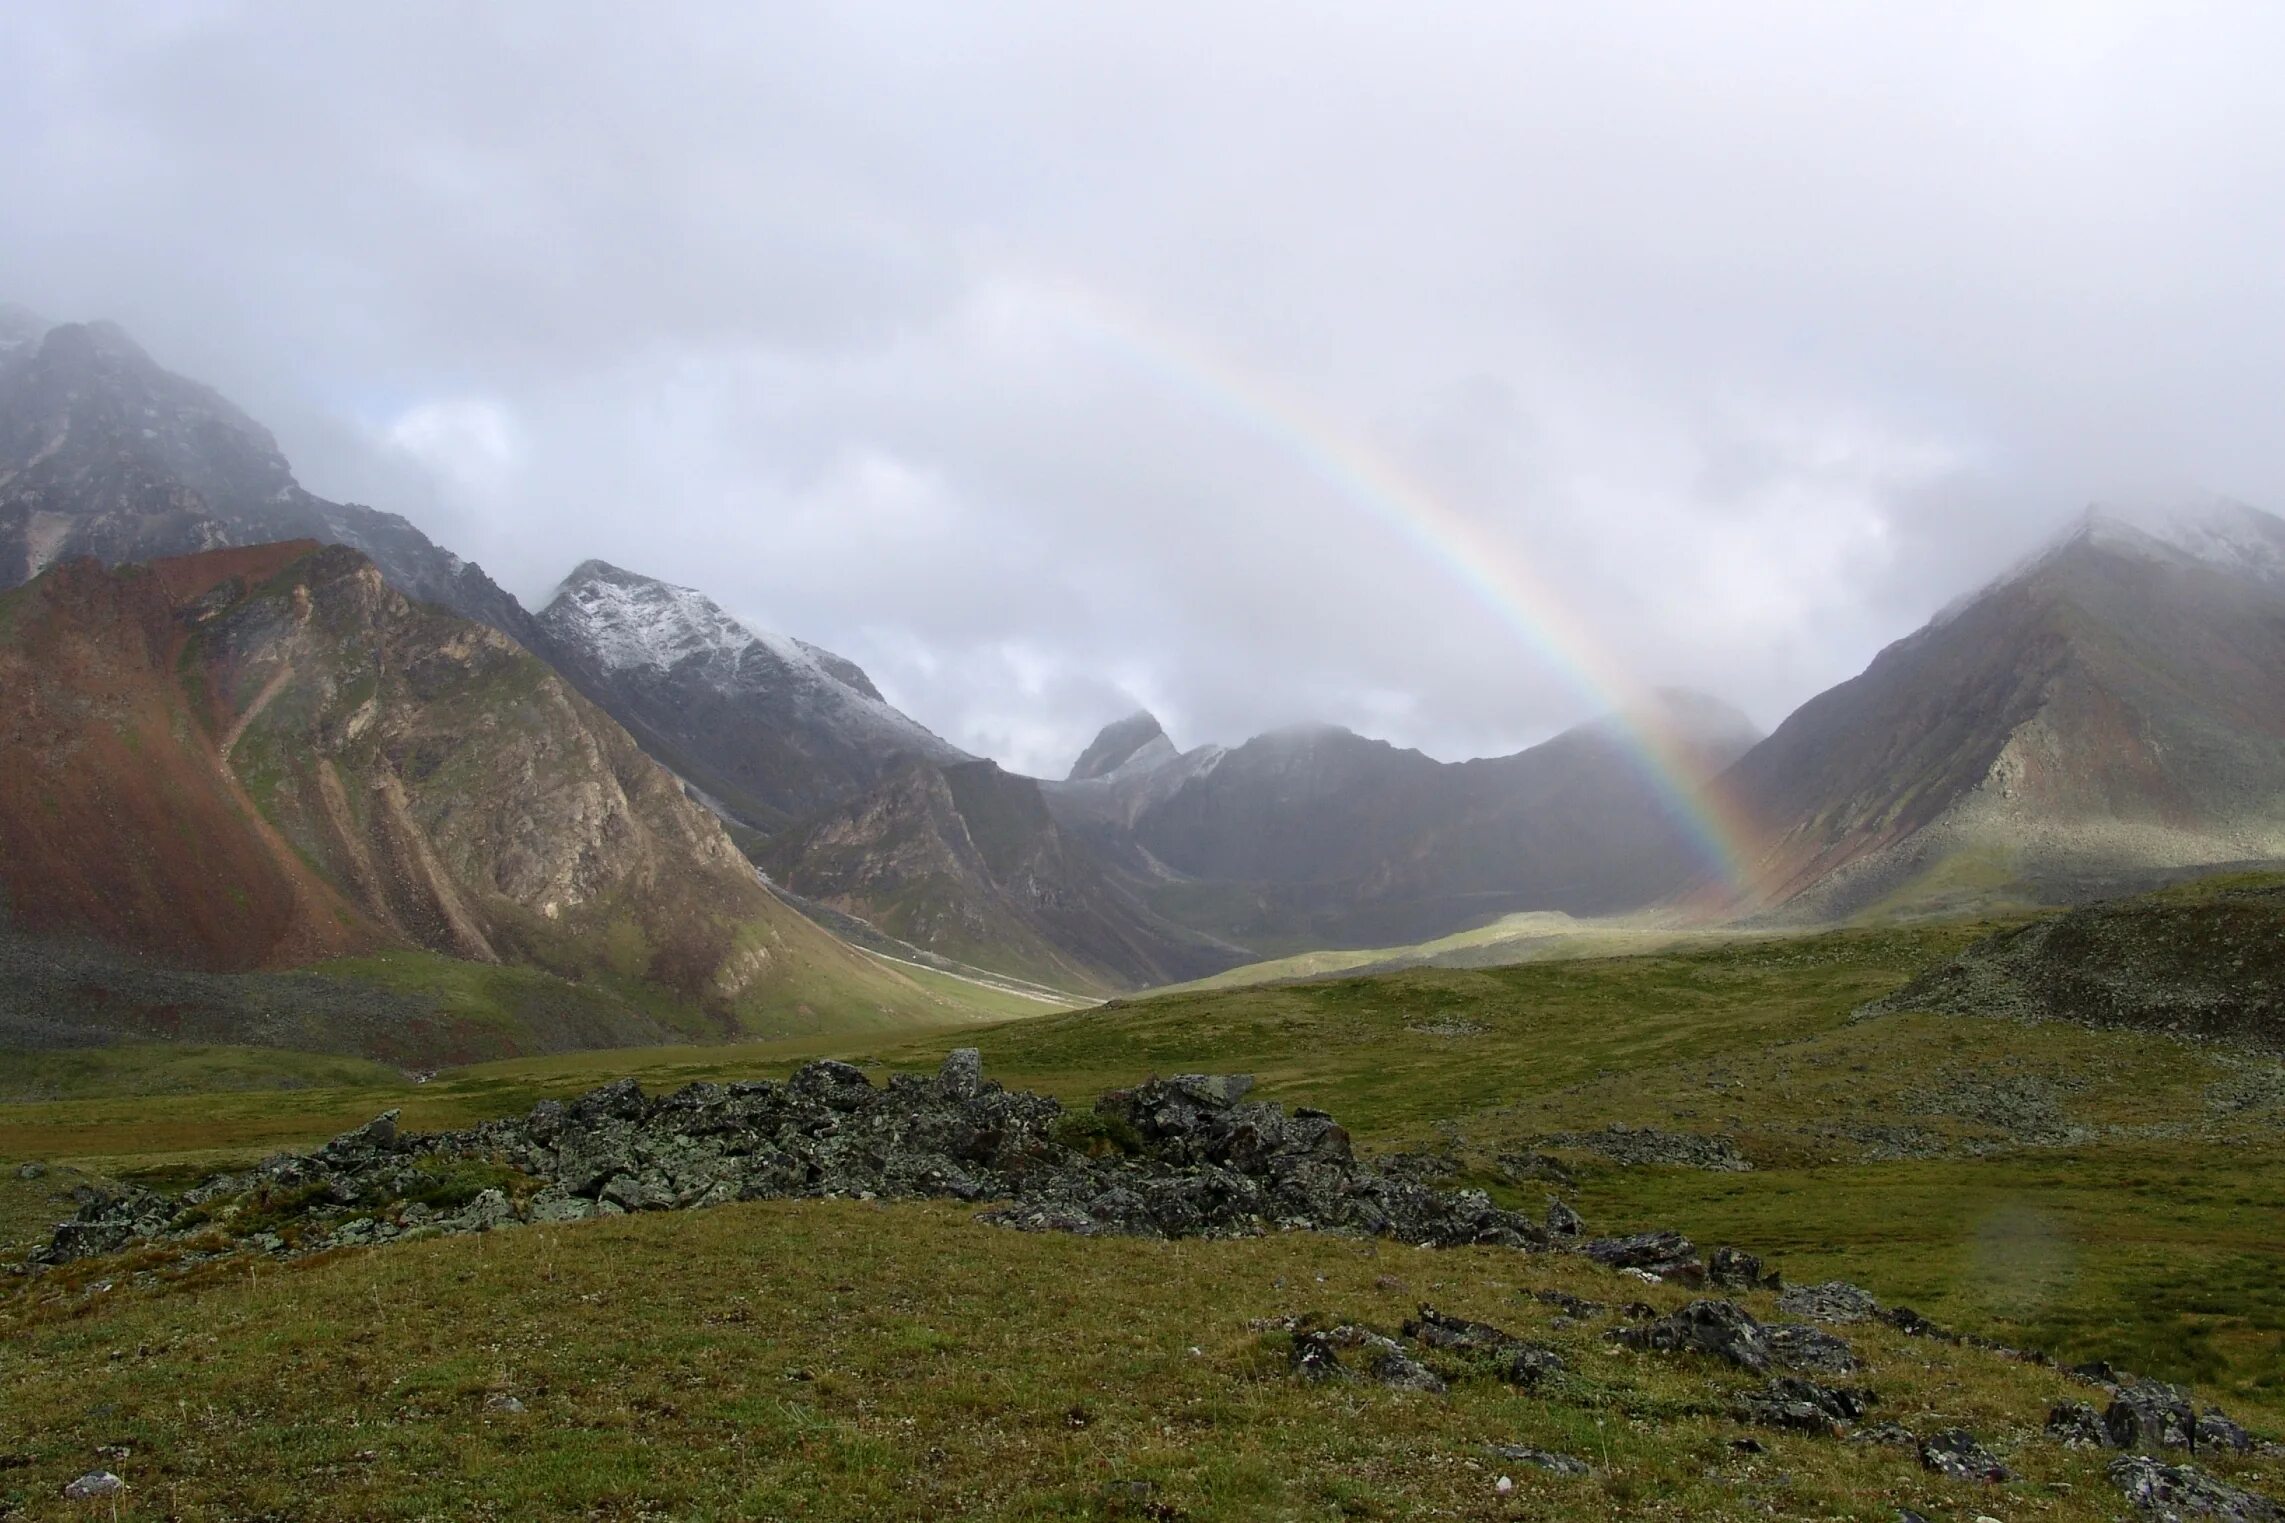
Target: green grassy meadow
[(2096, 1194)]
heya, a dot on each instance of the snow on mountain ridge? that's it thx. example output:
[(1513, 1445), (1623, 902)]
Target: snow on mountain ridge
[(628, 621), (2210, 529), (2215, 531)]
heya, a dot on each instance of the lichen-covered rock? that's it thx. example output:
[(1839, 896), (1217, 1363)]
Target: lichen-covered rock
[(1798, 1346), (93, 1486), (1832, 1301), (1721, 1329), (2183, 1493), (1201, 1161), (1384, 1360), (1735, 1269), (1659, 1253), (1956, 1453), (2075, 1425), (962, 1076), (1804, 1406), (2216, 1431), (2150, 1414), (1516, 1361)]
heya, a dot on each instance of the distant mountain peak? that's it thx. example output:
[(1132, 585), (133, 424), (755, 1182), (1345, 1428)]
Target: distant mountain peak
[(597, 571), (629, 620), (2213, 530), (20, 328), (1120, 743), (768, 726), (104, 452), (99, 337)]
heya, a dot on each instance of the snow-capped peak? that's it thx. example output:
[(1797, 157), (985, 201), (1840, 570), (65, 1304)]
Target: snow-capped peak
[(2212, 530), (626, 620), (629, 623)]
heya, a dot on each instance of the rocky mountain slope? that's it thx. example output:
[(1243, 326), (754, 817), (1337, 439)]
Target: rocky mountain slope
[(270, 757), (2114, 707), (1316, 834), (2205, 960), (1134, 744), (966, 861), (104, 453), (768, 727)]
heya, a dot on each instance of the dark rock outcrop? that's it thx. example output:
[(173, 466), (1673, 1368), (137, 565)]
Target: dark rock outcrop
[(1516, 1361), (1721, 1329), (1832, 1301), (1804, 1406), (2075, 1425), (1798, 1346), (1658, 1253), (1956, 1453), (2179, 1493), (2149, 1414), (1736, 1269), (1190, 1156), (1632, 1145), (2215, 1431)]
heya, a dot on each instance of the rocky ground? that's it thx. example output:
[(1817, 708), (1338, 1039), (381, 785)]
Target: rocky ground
[(1624, 1144), (1183, 1157), (2201, 962)]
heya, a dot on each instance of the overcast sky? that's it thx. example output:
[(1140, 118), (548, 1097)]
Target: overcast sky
[(941, 334)]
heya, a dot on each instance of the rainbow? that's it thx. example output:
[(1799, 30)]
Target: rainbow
[(1492, 573)]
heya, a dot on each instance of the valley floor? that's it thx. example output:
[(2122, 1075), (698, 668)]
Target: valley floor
[(2095, 1194)]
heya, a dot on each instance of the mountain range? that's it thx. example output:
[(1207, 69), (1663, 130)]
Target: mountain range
[(281, 731)]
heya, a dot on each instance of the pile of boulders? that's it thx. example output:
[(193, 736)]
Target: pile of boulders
[(2144, 1415), (1189, 1156)]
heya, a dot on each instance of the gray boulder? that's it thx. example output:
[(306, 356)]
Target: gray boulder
[(1956, 1453), (1832, 1301), (1798, 1346), (2150, 1414), (2216, 1431), (962, 1076), (1736, 1269), (1659, 1253), (1720, 1329), (2075, 1425), (1804, 1406), (1512, 1360), (2182, 1493)]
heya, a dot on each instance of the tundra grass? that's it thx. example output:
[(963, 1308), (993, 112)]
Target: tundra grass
[(831, 1360), (2099, 1194), (179, 1068)]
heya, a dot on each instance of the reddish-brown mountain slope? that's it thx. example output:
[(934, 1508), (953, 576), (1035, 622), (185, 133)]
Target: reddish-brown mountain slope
[(118, 817), (258, 758)]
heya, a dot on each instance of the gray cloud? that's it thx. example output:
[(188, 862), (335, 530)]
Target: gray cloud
[(949, 336)]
